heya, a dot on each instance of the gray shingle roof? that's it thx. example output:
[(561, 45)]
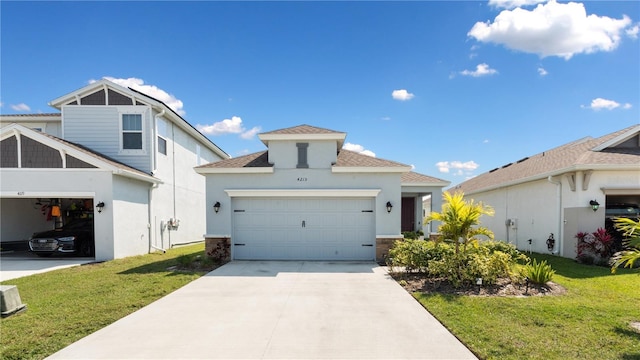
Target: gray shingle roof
[(302, 129), (577, 154), (31, 115), (347, 158), (259, 159), (417, 178)]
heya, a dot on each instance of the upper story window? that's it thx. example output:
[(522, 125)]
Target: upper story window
[(162, 136), (132, 133), (302, 155)]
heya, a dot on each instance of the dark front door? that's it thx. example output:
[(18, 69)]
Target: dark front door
[(408, 222)]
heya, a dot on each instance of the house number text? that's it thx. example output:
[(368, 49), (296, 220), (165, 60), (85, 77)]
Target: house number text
[(302, 179)]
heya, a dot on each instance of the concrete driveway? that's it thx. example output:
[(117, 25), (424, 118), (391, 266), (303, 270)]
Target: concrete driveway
[(278, 310), (17, 264)]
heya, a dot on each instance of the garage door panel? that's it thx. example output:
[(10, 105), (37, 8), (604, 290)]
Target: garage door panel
[(305, 229)]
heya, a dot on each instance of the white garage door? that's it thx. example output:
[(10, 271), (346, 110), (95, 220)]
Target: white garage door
[(303, 229)]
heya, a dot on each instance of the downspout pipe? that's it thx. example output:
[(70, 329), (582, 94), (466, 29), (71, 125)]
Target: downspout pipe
[(154, 162), (558, 250), (151, 246)]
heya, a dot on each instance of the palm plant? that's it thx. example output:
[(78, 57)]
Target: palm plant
[(631, 231), (460, 219)]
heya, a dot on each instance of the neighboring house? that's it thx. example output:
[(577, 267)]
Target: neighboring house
[(306, 198), (553, 192), (110, 146)]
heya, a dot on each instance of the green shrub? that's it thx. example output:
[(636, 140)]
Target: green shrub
[(415, 255), (538, 272), (506, 248), (464, 268), (413, 235)]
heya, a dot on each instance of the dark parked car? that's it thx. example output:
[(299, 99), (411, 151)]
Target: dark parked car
[(76, 237)]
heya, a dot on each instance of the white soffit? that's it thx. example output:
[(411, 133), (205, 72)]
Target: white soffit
[(244, 170), (364, 169), (303, 192)]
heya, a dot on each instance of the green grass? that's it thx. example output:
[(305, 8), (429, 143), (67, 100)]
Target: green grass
[(66, 305), (591, 321)]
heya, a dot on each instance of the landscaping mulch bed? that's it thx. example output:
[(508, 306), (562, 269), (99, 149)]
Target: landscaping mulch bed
[(415, 282)]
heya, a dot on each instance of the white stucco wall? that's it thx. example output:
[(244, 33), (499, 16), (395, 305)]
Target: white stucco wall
[(130, 212), (182, 193), (388, 183), (541, 208), (320, 154)]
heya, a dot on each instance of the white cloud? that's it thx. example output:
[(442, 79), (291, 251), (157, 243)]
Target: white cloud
[(359, 149), (20, 107), (460, 167), (402, 95), (552, 29), (485, 141), (249, 134), (385, 118), (600, 103), (481, 70), (632, 32), (542, 71), (155, 92), (1, 104), (229, 126), (510, 4)]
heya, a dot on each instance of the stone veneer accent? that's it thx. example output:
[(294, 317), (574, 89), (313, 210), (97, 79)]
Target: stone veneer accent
[(383, 245), (218, 248)]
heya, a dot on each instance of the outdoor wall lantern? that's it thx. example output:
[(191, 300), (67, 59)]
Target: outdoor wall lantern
[(216, 206), (594, 205), (389, 206), (100, 206)]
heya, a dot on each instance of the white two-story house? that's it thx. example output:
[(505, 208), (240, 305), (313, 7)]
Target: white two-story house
[(113, 154)]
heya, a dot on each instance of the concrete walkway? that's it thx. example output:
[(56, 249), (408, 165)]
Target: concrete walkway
[(278, 310), (18, 264)]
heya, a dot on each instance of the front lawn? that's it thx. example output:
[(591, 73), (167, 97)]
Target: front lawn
[(591, 321), (66, 305)]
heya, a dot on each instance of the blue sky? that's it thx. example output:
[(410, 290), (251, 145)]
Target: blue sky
[(454, 88)]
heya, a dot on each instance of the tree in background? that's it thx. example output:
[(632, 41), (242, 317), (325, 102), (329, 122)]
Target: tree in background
[(460, 220)]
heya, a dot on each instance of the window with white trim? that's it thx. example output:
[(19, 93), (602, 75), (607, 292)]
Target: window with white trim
[(162, 136), (132, 133)]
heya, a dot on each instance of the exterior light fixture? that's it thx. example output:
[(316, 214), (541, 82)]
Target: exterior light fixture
[(100, 206), (389, 206), (594, 205), (216, 206)]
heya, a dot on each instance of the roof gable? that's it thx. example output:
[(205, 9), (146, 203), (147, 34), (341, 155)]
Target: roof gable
[(76, 156), (626, 140), (105, 92)]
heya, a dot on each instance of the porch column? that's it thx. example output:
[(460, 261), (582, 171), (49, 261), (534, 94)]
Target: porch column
[(436, 205)]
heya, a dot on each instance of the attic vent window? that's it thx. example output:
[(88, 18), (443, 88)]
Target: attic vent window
[(521, 160), (509, 164), (493, 170), (302, 155)]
